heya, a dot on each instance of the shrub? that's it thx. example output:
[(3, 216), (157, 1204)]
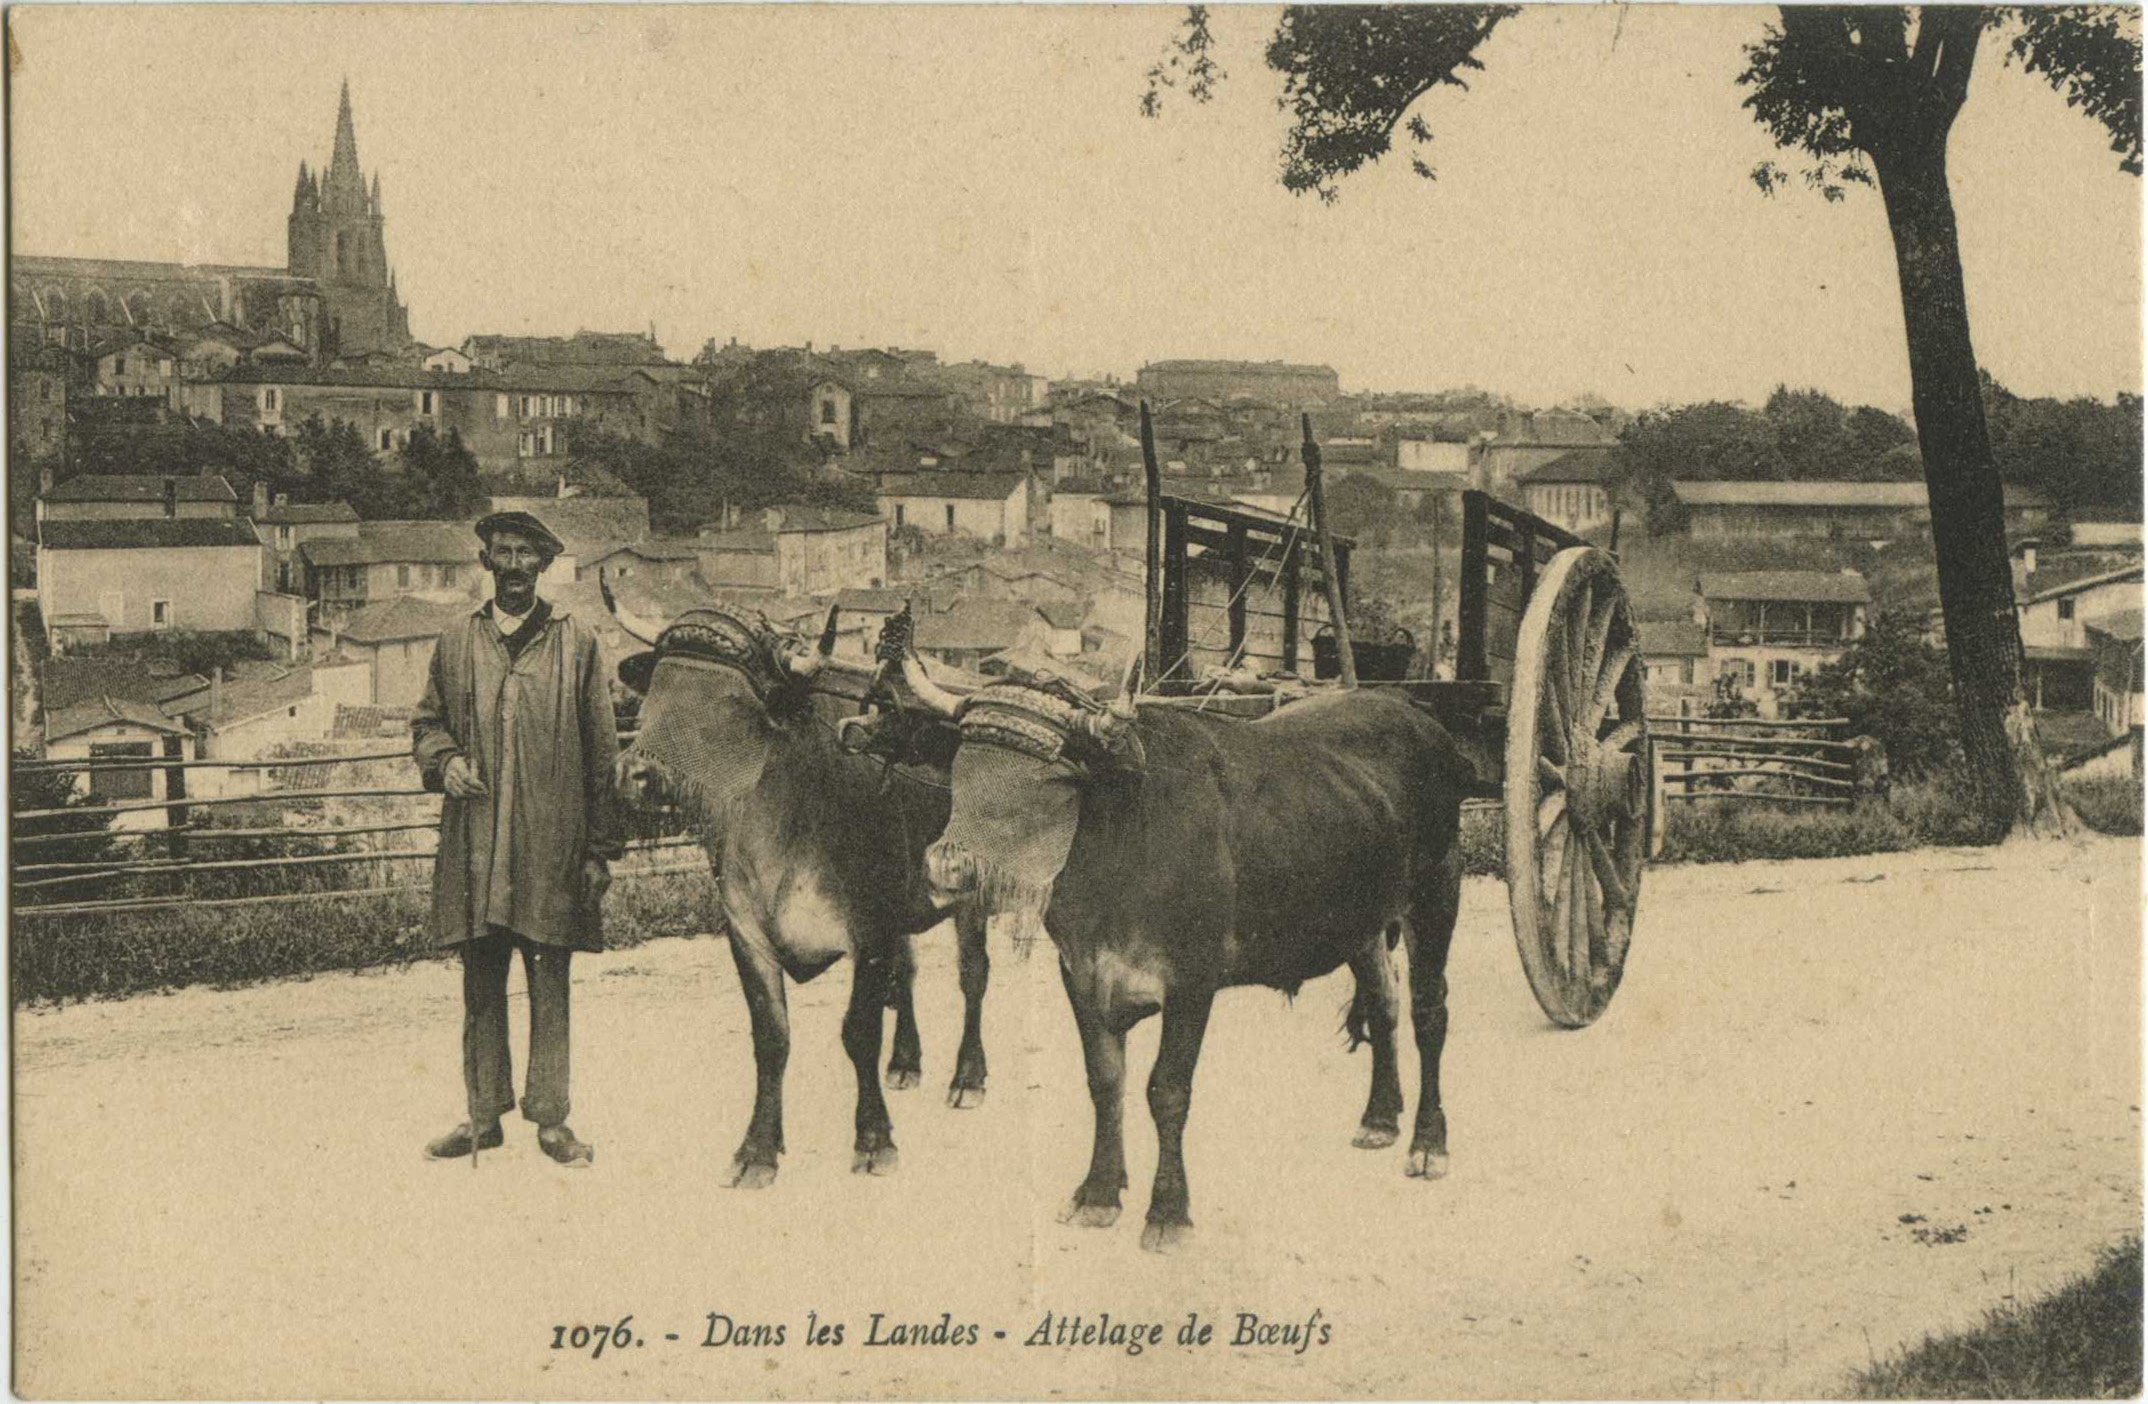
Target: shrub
[(2110, 804), (1893, 686), (108, 955), (1739, 831)]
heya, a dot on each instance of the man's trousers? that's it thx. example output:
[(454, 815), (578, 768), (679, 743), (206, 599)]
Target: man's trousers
[(488, 1071)]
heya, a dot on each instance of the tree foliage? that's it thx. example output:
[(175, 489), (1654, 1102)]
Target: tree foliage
[(690, 479), (1895, 687), (38, 788)]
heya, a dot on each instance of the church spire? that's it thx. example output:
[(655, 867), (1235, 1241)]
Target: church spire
[(301, 198), (344, 177), (376, 192)]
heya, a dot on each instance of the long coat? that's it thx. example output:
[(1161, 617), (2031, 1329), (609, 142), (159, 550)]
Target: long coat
[(539, 729)]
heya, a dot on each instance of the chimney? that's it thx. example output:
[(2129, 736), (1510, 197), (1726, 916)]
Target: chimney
[(283, 499), (261, 497), (216, 692), (2028, 559)]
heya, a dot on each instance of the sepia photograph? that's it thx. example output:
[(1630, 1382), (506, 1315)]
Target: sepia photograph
[(1031, 701)]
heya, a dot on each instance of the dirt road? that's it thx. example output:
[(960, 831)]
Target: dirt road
[(222, 1194)]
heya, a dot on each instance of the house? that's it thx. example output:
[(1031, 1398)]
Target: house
[(2106, 526), (1768, 628), (1675, 666), (1081, 511), (1276, 381), (98, 580), (1572, 490), (1828, 508), (2115, 641), (138, 497), (138, 367), (993, 506), (973, 630), (284, 526), (796, 550), (1062, 620), (262, 707), (40, 379), (1527, 441), (69, 681), (106, 728), (652, 559), (448, 359), (392, 642), (1000, 394), (2055, 614), (887, 410), (1432, 451), (390, 558)]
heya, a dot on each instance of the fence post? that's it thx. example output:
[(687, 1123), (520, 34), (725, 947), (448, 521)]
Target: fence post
[(1658, 807)]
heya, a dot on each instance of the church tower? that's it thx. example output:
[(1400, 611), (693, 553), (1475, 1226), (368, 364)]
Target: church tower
[(336, 240)]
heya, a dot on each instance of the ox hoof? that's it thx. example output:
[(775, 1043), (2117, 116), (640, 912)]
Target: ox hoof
[(750, 1175), (1095, 1216), (1427, 1165), (1165, 1238), (1375, 1137), (901, 1079), (879, 1161), (965, 1098)]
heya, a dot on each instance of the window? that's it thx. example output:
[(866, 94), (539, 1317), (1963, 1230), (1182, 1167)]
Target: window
[(283, 538), (447, 575), (527, 445), (1685, 671), (528, 405), (402, 577), (426, 404), (499, 406), (950, 516), (827, 412), (387, 439), (566, 404), (898, 514), (2065, 605), (1782, 671), (271, 399), (544, 438), (120, 784), (164, 367), (160, 614)]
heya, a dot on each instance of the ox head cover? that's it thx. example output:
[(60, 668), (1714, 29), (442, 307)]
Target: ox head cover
[(713, 689), (1017, 789)]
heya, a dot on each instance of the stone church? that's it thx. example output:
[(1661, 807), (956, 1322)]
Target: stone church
[(336, 296)]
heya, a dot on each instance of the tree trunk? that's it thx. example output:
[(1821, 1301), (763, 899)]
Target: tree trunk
[(1976, 585)]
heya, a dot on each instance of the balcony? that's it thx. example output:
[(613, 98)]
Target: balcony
[(1777, 636)]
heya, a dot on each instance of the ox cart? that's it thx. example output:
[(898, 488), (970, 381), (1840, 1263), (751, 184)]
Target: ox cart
[(1544, 696)]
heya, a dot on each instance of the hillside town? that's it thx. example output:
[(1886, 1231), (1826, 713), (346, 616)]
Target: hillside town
[(269, 454)]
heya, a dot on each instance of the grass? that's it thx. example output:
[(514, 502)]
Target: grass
[(2109, 805), (110, 956), (2081, 1342)]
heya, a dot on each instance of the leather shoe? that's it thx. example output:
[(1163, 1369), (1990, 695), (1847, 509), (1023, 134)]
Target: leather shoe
[(456, 1143), (559, 1143)]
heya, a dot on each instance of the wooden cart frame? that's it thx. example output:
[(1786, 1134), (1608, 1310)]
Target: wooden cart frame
[(1546, 701)]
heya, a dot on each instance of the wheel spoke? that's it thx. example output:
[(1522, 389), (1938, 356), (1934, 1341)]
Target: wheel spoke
[(1574, 636), (1562, 690), (1621, 736), (1549, 813), (1556, 893), (1607, 875), (1551, 724), (1599, 634), (1607, 684), (1592, 902), (1577, 919), (1549, 776)]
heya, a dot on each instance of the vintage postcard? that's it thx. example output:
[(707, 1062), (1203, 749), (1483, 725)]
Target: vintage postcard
[(1019, 702)]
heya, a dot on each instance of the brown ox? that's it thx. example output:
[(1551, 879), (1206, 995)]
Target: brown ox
[(818, 851), (1171, 854)]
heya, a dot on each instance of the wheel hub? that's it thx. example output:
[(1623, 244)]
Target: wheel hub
[(1605, 784)]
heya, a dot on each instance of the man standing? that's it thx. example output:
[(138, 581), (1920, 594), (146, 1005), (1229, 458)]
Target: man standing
[(516, 729)]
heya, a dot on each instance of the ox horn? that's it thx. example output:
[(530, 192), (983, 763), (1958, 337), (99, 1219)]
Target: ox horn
[(806, 664), (1113, 723), (638, 629), (930, 693)]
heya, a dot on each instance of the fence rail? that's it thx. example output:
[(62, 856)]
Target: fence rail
[(1756, 760)]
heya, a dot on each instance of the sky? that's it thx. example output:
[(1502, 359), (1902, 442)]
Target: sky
[(980, 181)]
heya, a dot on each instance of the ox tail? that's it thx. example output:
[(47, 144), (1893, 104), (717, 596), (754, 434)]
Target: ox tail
[(1357, 1020), (1018, 905)]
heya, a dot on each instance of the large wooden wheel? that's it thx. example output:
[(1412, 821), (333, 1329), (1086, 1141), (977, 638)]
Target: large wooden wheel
[(1576, 785)]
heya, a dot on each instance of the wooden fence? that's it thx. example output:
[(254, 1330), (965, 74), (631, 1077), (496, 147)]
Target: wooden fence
[(142, 868), (1808, 761)]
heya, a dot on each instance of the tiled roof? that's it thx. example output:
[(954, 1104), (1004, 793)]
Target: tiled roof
[(307, 514), (751, 540), (1815, 586), (153, 534), (1061, 614), (975, 623), (64, 722), (803, 518), (67, 680), (968, 486), (244, 698), (140, 487), (405, 617), (2076, 584), (871, 601), (394, 542), (2121, 624), (650, 549), (1581, 465), (1672, 638)]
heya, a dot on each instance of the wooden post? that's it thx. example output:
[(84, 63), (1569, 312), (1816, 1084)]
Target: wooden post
[(1471, 604), (1172, 633), (1291, 605), (1152, 601), (1432, 647), (1329, 575), (1236, 534)]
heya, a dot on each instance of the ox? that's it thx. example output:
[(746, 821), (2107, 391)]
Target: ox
[(818, 851), (1171, 854)]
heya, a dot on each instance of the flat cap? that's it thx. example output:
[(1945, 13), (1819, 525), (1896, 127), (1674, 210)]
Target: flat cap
[(522, 522)]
